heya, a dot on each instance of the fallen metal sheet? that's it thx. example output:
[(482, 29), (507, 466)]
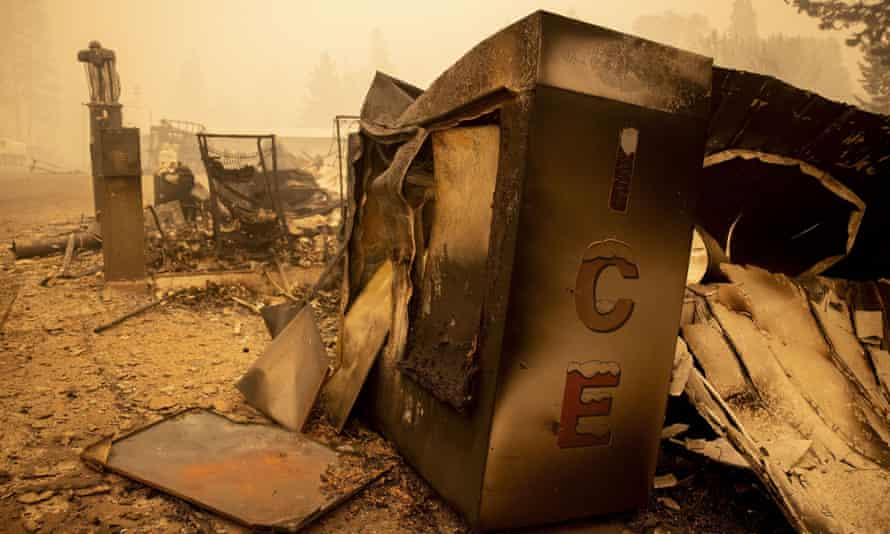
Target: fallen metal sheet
[(719, 450), (759, 113), (278, 316), (365, 328), (721, 367), (809, 354), (257, 475), (834, 319), (788, 492), (284, 381), (746, 207), (803, 426), (839, 431)]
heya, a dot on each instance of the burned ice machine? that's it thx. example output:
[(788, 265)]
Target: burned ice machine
[(537, 280)]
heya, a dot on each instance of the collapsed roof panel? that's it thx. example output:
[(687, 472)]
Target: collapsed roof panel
[(761, 114), (387, 99)]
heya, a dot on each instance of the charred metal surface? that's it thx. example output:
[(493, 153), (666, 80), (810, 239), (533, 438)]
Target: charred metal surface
[(760, 113), (444, 335), (604, 63), (387, 98), (552, 174), (105, 110), (123, 248), (509, 59), (431, 434), (363, 335), (565, 208), (776, 214), (259, 476)]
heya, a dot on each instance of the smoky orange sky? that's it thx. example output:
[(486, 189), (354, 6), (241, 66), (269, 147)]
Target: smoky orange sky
[(256, 57)]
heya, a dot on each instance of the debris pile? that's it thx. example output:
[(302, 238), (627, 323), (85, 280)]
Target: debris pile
[(492, 296), (791, 373)]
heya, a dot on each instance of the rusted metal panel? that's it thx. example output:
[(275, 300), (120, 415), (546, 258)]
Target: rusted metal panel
[(123, 248), (259, 476)]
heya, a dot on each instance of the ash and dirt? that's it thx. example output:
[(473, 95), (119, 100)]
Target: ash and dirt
[(66, 388)]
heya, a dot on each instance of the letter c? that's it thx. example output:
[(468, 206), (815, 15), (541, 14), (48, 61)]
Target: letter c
[(598, 257)]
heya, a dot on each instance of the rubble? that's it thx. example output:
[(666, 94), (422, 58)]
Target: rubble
[(788, 373), (84, 240), (808, 395)]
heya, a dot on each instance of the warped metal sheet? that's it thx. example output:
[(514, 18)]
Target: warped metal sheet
[(284, 381), (364, 330), (444, 333), (257, 475), (760, 113)]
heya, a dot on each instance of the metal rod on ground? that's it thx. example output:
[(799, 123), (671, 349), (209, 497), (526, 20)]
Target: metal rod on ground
[(252, 307), (66, 262), (283, 275), (69, 255), (128, 315), (8, 310), (278, 287)]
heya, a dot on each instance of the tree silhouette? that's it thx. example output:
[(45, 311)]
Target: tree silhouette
[(876, 83), (870, 22), (325, 94), (743, 21)]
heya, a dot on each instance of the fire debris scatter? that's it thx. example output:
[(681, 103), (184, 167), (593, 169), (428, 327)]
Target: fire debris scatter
[(787, 371)]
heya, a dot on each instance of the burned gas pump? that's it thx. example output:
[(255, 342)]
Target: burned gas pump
[(117, 169)]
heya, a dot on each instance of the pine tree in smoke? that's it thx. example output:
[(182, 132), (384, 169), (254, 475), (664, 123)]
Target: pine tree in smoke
[(324, 98), (808, 62), (743, 21), (876, 83)]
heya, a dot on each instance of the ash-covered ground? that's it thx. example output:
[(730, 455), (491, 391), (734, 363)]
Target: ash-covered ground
[(66, 387)]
